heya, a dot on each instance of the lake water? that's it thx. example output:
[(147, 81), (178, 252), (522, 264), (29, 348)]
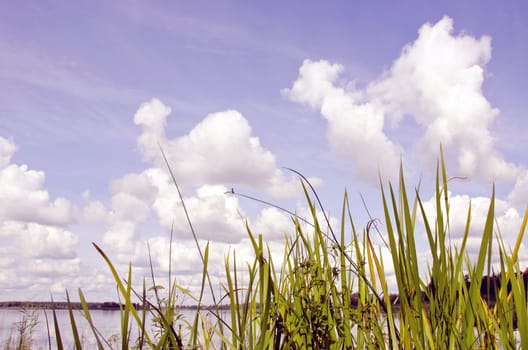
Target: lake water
[(107, 322)]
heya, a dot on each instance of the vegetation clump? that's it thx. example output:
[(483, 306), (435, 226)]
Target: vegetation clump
[(331, 289)]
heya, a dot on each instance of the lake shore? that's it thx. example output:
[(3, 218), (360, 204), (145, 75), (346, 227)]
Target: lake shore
[(104, 306)]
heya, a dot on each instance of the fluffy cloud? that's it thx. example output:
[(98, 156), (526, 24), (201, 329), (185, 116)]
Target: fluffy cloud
[(95, 212), (38, 241), (507, 222), (152, 117), (34, 256), (214, 215), (121, 239), (37, 249), (22, 193), (355, 126), (28, 217), (218, 150), (437, 80)]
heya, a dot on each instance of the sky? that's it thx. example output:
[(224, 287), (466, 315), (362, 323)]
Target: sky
[(235, 93)]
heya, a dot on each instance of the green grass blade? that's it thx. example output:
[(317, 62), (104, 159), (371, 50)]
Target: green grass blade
[(76, 338), (58, 337), (128, 302), (88, 317)]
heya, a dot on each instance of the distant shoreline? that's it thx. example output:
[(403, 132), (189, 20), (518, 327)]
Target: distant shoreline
[(59, 305), (104, 306)]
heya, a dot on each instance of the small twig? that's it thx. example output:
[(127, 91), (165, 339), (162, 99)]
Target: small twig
[(232, 191)]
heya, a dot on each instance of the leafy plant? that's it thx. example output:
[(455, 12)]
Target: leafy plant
[(331, 290)]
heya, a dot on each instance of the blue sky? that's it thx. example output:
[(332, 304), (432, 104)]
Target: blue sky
[(235, 91)]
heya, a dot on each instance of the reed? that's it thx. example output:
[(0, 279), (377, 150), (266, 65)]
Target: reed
[(330, 290)]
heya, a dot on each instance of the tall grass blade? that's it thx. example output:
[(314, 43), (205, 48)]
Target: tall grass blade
[(58, 337), (123, 291), (89, 320), (75, 332)]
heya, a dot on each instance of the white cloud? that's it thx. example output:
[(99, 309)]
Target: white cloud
[(37, 248), (152, 117), (7, 149), (54, 268), (218, 150), (507, 222), (355, 126), (121, 239), (125, 207), (519, 194), (437, 80), (38, 241), (138, 185), (214, 215), (33, 256), (272, 224), (95, 212), (23, 198)]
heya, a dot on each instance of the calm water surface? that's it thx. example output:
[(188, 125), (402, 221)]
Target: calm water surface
[(107, 322)]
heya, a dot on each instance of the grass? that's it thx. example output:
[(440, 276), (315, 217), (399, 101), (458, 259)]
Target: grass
[(21, 334), (330, 290)]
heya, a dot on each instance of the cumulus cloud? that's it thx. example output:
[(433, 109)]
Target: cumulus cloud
[(38, 241), (152, 117), (95, 212), (132, 197), (35, 255), (215, 216), (355, 125), (437, 80), (121, 239), (137, 185), (38, 249), (507, 222), (220, 149), (23, 196)]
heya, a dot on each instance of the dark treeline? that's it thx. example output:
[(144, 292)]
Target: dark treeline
[(489, 289), (490, 286)]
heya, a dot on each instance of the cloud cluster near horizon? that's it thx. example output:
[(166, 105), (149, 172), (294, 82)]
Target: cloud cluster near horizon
[(37, 248)]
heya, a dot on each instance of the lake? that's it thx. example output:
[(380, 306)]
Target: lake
[(107, 322)]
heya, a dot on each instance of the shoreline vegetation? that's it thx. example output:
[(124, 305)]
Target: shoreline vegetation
[(331, 289), (489, 290), (103, 306)]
